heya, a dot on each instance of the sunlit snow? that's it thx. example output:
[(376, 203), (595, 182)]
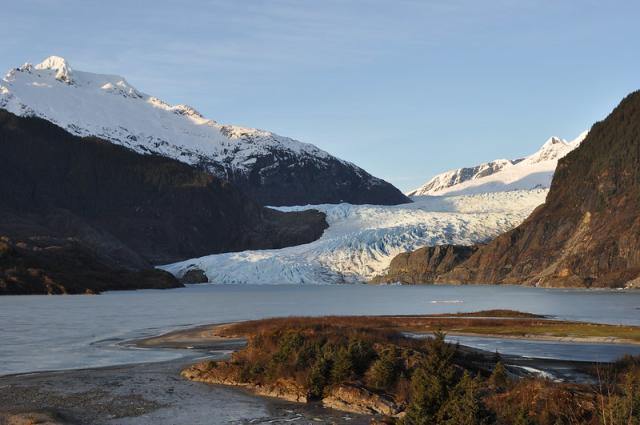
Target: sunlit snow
[(362, 239), (531, 172), (107, 106)]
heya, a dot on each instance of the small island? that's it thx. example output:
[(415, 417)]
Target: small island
[(377, 366)]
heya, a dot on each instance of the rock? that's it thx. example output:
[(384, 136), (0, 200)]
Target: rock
[(225, 374), (285, 389), (587, 233), (30, 419), (194, 276), (633, 284), (424, 265), (355, 399)]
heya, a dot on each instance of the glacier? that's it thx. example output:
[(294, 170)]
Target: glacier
[(362, 239)]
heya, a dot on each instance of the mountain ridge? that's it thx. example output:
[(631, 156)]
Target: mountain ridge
[(531, 172), (273, 169)]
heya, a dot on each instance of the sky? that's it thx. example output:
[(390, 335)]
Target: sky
[(403, 88)]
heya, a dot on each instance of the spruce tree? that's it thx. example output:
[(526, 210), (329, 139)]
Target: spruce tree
[(431, 382), (343, 369), (499, 377), (384, 371), (464, 406), (319, 377)]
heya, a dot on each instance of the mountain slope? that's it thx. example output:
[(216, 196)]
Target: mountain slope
[(588, 231), (272, 169), (125, 210), (534, 171)]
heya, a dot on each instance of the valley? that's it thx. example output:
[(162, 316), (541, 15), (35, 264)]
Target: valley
[(262, 248), (337, 213)]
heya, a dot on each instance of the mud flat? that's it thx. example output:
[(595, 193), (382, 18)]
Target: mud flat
[(152, 393)]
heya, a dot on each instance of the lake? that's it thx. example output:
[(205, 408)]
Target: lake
[(67, 332)]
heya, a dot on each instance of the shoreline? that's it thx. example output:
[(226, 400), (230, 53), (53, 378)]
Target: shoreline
[(143, 393), (155, 392), (202, 336), (550, 338)]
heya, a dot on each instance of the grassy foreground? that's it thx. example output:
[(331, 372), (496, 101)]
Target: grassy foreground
[(368, 365)]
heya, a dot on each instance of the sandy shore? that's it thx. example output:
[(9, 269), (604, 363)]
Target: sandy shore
[(205, 337)]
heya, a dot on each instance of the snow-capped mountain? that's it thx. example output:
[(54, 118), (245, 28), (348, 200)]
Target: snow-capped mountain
[(362, 240), (275, 170), (534, 171)]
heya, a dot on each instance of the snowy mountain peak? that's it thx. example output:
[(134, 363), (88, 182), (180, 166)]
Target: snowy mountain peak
[(275, 170), (141, 122), (534, 171), (59, 65), (553, 149), (553, 140)]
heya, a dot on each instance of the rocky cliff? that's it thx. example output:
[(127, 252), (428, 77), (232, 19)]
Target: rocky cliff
[(587, 233), (424, 265), (124, 209)]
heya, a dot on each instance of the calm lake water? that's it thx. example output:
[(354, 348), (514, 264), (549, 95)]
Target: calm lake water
[(65, 332)]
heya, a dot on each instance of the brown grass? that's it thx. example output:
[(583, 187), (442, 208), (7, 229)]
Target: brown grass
[(502, 323)]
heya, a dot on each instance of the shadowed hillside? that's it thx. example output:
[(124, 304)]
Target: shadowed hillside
[(129, 210), (587, 233)]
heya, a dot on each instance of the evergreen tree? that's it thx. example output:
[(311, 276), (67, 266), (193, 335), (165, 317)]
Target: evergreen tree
[(319, 377), (420, 411), (384, 371), (499, 377), (431, 382), (342, 366), (362, 354), (464, 406)]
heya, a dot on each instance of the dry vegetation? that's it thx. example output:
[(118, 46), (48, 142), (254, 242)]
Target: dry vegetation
[(504, 323), (367, 365)]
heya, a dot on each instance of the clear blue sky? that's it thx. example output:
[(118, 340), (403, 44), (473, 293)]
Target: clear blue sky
[(403, 88)]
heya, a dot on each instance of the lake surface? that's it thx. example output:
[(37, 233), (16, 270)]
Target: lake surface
[(559, 350), (66, 332)]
